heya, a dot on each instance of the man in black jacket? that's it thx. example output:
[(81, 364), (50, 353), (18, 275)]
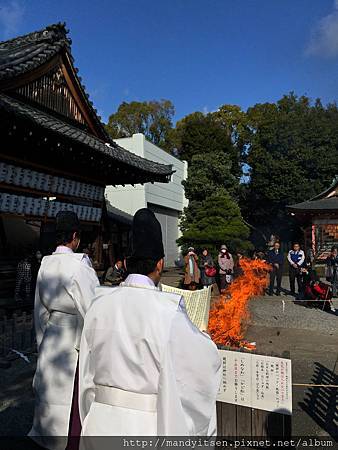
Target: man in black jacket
[(276, 258)]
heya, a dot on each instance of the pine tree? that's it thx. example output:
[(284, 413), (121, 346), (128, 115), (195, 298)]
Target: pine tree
[(214, 221)]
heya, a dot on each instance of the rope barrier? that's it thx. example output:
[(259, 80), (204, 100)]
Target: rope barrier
[(315, 385)]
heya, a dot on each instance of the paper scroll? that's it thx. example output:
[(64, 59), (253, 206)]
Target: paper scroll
[(197, 304)]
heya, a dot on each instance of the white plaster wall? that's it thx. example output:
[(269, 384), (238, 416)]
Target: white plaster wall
[(169, 195), (128, 198)]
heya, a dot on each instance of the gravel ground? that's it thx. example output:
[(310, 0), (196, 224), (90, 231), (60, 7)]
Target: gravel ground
[(310, 336), (283, 312)]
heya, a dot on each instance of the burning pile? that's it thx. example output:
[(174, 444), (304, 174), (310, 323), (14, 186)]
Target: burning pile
[(229, 315)]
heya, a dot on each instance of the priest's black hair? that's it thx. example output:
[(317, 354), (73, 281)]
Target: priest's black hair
[(140, 266), (67, 223), (65, 237)]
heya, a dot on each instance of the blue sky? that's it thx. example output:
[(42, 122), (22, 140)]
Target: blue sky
[(198, 53)]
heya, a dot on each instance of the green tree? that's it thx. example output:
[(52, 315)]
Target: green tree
[(207, 173), (199, 134), (212, 217), (214, 221), (293, 155), (236, 123), (153, 119)]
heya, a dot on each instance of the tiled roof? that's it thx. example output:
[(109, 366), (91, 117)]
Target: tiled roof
[(324, 204), (151, 171), (24, 54), (334, 186), (118, 214)]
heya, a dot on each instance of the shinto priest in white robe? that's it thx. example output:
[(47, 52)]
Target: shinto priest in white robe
[(65, 289), (144, 368)]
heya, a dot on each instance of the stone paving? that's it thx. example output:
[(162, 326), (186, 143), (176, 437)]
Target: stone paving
[(310, 335)]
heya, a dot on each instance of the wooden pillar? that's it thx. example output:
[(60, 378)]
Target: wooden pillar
[(304, 238), (98, 248), (3, 238), (111, 255)]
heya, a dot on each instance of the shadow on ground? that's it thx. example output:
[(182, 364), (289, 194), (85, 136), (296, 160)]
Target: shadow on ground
[(321, 402)]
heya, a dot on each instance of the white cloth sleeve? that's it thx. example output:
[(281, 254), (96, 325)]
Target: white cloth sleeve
[(86, 375), (212, 430), (83, 287), (41, 314), (197, 370), (85, 260)]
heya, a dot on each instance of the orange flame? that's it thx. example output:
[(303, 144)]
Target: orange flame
[(229, 315)]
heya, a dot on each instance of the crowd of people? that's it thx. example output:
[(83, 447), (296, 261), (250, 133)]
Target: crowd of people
[(301, 271), (203, 270)]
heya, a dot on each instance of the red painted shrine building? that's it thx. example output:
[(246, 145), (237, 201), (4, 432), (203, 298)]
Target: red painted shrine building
[(55, 153), (319, 220)]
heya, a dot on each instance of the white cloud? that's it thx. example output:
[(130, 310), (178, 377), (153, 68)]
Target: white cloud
[(205, 110), (324, 39), (11, 15)]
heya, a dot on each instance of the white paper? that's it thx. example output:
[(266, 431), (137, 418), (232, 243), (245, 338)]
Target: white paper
[(256, 381), (197, 304)]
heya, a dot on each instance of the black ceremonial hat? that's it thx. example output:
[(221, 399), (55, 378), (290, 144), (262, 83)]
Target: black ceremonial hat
[(146, 241), (67, 221)]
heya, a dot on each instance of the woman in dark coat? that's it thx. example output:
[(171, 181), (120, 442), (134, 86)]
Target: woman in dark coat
[(332, 269), (206, 261)]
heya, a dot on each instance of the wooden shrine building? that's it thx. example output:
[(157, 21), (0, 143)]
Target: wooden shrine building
[(319, 220), (55, 153)]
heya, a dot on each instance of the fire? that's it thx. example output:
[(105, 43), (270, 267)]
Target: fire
[(229, 315)]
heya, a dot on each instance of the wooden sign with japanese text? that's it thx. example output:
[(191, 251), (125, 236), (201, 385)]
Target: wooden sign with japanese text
[(256, 381)]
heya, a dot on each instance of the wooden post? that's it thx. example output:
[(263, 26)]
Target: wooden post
[(3, 238), (243, 418), (226, 420)]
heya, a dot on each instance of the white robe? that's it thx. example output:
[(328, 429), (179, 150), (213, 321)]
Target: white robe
[(140, 340), (64, 291)]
